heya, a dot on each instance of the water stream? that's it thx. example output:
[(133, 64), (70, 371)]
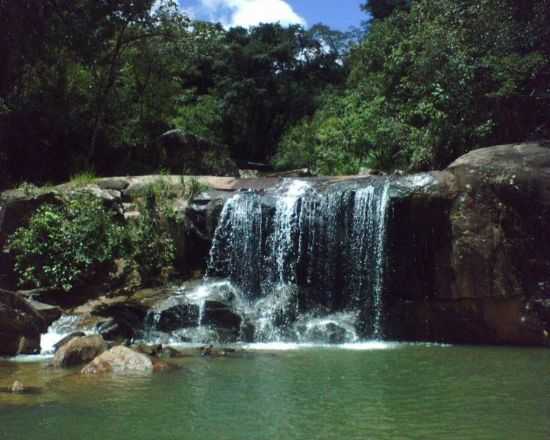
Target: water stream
[(300, 263)]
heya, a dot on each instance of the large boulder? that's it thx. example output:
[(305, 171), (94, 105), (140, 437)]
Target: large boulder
[(79, 351), (126, 312), (471, 261), (20, 325), (223, 319), (114, 330), (119, 360), (175, 313)]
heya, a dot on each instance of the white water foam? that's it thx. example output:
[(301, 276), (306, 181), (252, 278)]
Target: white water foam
[(286, 225), (291, 346), (59, 329)]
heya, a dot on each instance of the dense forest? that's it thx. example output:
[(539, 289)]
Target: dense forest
[(91, 85)]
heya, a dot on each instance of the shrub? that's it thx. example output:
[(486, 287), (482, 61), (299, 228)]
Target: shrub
[(63, 246), (152, 247)]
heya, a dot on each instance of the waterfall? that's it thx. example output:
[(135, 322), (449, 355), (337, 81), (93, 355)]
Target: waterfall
[(286, 229), (236, 251), (300, 251), (302, 262), (370, 216)]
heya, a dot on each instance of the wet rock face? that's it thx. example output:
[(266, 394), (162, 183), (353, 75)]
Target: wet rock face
[(500, 221), (470, 260), (124, 319), (176, 313), (20, 326), (468, 256), (220, 315), (113, 330)]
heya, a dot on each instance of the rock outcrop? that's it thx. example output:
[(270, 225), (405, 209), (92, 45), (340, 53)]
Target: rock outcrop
[(468, 254), (20, 325), (471, 257)]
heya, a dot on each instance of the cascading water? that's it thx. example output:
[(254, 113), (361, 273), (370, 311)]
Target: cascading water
[(286, 229), (300, 263), (370, 217), (301, 251)]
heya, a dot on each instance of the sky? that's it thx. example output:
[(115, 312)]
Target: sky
[(338, 14)]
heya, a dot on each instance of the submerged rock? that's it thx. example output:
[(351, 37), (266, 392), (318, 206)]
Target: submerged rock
[(79, 351), (119, 360)]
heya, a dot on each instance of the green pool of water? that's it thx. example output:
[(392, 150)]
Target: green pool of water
[(397, 392)]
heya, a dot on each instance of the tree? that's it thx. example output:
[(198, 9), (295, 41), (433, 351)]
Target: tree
[(380, 9), (429, 84), (269, 79), (83, 79)]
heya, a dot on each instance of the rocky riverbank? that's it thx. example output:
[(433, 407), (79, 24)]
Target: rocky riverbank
[(470, 261)]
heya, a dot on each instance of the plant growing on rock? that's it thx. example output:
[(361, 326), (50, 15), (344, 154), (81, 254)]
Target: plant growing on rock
[(153, 248), (82, 179), (65, 245)]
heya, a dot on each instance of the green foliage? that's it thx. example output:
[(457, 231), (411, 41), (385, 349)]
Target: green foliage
[(296, 149), (152, 247), (64, 245), (192, 187), (90, 84), (430, 83), (28, 188), (93, 84), (380, 9), (83, 79), (164, 191), (249, 85), (200, 116)]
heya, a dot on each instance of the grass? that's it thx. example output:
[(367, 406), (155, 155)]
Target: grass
[(83, 178)]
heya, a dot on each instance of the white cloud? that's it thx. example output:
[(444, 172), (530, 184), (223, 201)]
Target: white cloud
[(251, 12)]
